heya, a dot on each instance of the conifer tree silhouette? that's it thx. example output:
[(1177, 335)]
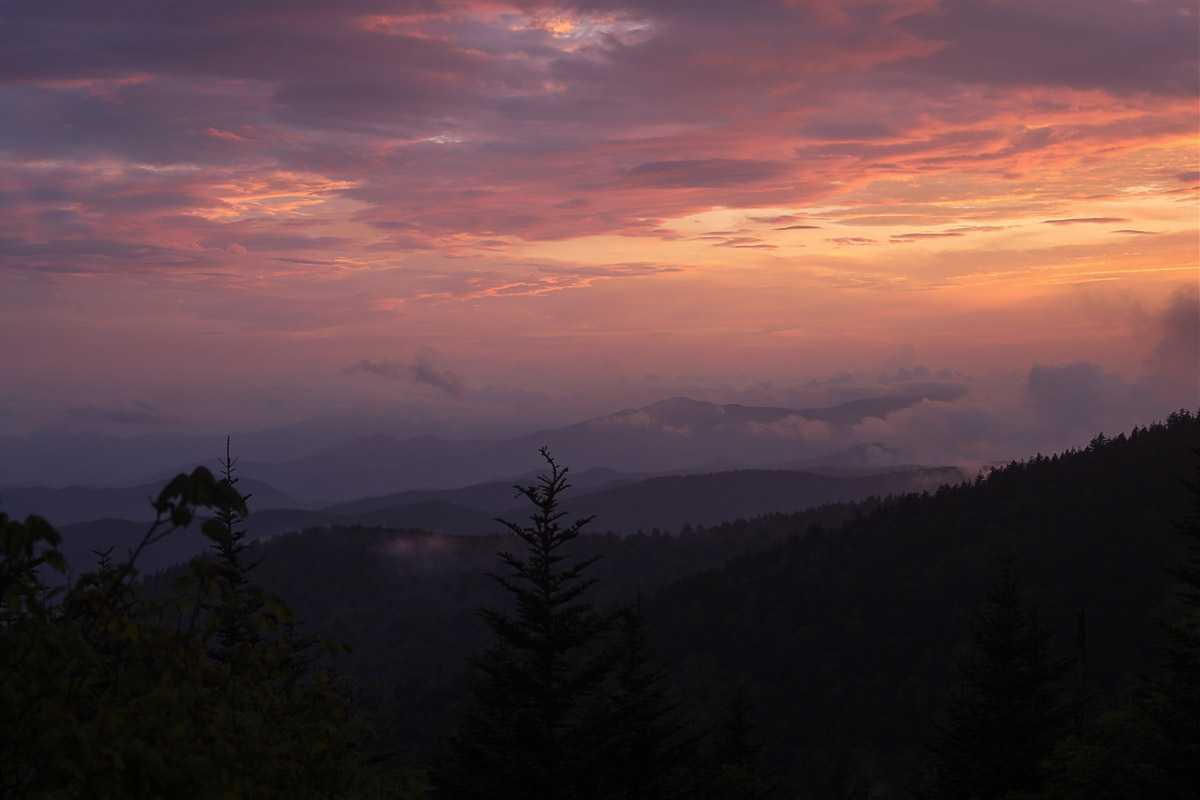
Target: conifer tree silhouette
[(1003, 717), (637, 726), (524, 735), (1174, 702)]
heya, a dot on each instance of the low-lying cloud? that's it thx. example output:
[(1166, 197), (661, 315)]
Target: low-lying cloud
[(1052, 407), (793, 427)]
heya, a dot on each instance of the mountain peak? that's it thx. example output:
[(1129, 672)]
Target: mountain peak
[(679, 402)]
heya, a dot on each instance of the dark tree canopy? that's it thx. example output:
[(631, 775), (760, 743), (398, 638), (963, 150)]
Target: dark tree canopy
[(109, 691), (525, 733), (1004, 716), (643, 744)]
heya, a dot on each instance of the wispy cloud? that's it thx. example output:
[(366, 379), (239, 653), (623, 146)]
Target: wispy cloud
[(422, 370), (1085, 220), (840, 240), (702, 173), (913, 237), (487, 177)]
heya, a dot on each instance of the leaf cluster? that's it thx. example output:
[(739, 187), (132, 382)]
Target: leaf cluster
[(109, 691)]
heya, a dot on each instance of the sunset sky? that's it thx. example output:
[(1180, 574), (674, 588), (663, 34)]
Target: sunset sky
[(243, 214)]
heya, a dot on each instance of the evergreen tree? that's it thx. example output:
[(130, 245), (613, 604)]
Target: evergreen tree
[(524, 734), (1002, 719), (636, 726), (1174, 702), (1148, 746), (732, 763), (108, 691), (241, 599)]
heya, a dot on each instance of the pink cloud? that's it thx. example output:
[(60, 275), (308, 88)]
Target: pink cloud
[(402, 107), (1085, 220), (312, 165)]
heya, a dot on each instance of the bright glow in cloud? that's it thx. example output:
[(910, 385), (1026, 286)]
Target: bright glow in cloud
[(205, 206)]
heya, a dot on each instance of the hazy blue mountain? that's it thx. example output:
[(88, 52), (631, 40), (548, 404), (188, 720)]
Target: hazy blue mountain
[(73, 504), (502, 493), (93, 459), (867, 457), (624, 505), (60, 459), (679, 432), (628, 505), (669, 436), (309, 462), (855, 411), (669, 502)]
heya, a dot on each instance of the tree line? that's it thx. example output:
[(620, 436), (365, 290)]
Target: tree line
[(117, 688)]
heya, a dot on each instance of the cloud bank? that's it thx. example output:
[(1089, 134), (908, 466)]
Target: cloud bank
[(214, 206)]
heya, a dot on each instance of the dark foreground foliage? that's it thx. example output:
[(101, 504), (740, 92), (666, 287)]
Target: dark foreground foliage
[(107, 691), (817, 650)]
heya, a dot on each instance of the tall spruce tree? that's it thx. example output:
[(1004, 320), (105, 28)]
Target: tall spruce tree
[(637, 726), (732, 766), (242, 600), (1174, 702), (1148, 746), (524, 735), (1002, 719)]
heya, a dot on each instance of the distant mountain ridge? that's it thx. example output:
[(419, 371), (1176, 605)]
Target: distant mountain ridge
[(672, 435), (74, 504), (672, 462), (625, 504), (666, 502)]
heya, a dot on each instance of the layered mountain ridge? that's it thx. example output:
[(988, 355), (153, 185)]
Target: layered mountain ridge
[(671, 463), (667, 436)]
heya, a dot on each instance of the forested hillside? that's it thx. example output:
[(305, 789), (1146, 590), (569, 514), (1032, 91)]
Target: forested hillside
[(407, 601), (828, 637), (843, 635), (846, 637)]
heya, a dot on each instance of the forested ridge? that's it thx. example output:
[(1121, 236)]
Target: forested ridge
[(854, 630), (794, 655)]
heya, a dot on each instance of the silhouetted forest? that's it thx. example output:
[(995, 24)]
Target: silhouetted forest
[(1033, 633)]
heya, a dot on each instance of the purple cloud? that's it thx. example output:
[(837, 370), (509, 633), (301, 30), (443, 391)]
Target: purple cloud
[(712, 172), (423, 370), (1068, 43)]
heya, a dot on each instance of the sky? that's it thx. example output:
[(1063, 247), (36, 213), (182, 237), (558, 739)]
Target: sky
[(487, 216)]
